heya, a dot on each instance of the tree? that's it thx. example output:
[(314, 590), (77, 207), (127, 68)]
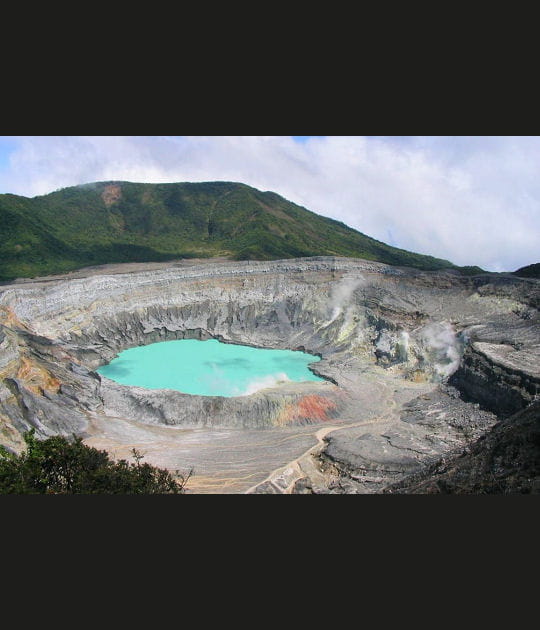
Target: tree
[(57, 465)]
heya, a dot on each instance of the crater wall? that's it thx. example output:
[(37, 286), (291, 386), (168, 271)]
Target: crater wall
[(366, 320)]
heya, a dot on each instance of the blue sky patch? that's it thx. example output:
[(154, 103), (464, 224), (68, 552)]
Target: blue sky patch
[(303, 139)]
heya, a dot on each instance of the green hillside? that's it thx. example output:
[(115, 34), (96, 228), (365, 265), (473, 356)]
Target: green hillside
[(530, 271), (109, 222)]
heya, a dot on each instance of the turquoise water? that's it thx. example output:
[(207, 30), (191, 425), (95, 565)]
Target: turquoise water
[(208, 368)]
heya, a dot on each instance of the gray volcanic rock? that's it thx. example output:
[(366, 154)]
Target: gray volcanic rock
[(259, 410), (387, 337), (429, 426), (506, 460), (501, 365)]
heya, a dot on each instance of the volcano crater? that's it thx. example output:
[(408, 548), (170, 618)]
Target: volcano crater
[(416, 365)]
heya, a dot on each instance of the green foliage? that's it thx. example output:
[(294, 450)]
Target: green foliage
[(59, 466), (87, 225), (470, 270), (530, 271)]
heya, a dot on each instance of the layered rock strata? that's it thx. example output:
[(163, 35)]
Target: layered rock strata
[(387, 337)]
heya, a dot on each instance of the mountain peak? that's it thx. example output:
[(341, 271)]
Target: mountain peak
[(121, 221)]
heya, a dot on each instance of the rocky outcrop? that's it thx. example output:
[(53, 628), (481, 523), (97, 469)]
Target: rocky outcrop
[(387, 336), (500, 368), (429, 427), (299, 403), (505, 460)]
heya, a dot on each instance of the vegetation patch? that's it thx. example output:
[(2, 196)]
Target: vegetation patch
[(530, 271), (61, 466), (113, 222)]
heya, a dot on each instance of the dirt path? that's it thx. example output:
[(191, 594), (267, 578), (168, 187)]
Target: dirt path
[(284, 477)]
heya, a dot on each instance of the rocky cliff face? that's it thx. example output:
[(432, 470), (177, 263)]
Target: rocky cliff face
[(387, 337), (505, 460)]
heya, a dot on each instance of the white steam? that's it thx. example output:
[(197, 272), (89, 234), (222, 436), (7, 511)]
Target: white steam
[(264, 382), (402, 347), (393, 346), (442, 348), (341, 294), (219, 381)]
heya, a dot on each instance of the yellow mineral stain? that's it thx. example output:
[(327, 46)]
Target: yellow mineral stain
[(10, 320), (36, 378)]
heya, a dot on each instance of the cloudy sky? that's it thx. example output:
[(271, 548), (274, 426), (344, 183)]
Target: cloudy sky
[(474, 200)]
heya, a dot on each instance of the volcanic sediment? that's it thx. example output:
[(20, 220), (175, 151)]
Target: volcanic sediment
[(417, 365)]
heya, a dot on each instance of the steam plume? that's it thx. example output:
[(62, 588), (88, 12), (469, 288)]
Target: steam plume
[(266, 381), (443, 348), (341, 295)]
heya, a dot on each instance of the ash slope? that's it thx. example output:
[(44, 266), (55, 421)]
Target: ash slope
[(108, 222), (418, 365)]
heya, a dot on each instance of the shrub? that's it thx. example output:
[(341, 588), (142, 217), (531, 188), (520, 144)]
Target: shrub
[(57, 465)]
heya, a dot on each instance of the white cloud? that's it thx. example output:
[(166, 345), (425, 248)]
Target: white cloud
[(471, 200)]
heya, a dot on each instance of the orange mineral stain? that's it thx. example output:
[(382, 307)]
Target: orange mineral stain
[(311, 407), (9, 319), (36, 378)]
